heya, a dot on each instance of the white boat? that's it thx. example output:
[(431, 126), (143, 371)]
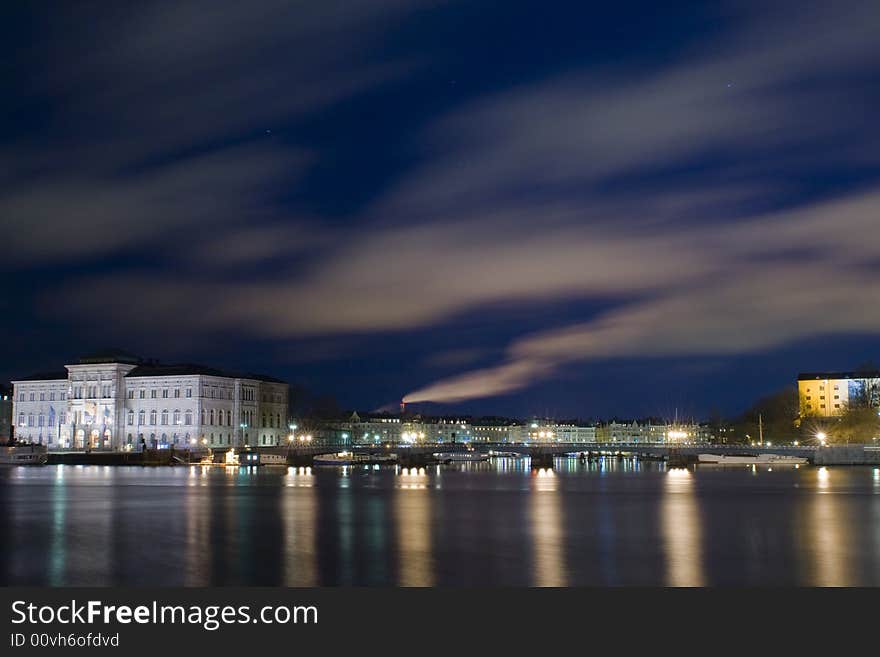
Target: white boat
[(23, 455), (460, 457), (349, 458), (504, 455), (751, 459)]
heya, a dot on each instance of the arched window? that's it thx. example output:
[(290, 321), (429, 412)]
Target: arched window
[(212, 417), (204, 415), (141, 417), (188, 418), (264, 420), (278, 420), (228, 418), (130, 419), (153, 417), (164, 418), (176, 417)]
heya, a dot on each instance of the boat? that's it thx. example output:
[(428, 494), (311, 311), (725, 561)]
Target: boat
[(504, 455), (461, 457), (750, 459), (23, 455), (350, 458), (230, 459)]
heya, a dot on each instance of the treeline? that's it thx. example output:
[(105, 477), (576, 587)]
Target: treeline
[(778, 415)]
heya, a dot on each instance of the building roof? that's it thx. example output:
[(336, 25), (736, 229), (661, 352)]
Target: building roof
[(821, 376), (188, 369), (45, 376), (111, 356)]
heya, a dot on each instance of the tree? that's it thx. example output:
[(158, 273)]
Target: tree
[(859, 422), (776, 413)]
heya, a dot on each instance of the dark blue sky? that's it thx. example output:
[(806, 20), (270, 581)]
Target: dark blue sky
[(494, 207)]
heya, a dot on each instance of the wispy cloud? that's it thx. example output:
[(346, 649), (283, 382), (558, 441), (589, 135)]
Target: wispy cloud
[(665, 192)]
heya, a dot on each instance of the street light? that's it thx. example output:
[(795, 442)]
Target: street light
[(821, 437)]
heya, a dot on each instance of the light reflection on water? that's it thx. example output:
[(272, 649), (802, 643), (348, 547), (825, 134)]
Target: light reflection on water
[(681, 530), (605, 522)]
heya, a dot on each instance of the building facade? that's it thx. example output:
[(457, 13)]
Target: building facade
[(828, 394), (647, 432), (120, 402)]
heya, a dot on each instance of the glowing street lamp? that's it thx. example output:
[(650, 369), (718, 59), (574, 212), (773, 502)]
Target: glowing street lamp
[(821, 437)]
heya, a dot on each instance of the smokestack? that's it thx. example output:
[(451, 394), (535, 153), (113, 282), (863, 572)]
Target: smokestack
[(402, 407)]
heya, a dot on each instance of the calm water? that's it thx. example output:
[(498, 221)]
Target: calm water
[(498, 523)]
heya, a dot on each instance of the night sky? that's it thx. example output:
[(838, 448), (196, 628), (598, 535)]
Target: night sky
[(497, 207)]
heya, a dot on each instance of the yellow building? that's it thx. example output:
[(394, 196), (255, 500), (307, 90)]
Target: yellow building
[(826, 394)]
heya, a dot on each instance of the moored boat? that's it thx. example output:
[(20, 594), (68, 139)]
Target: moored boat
[(461, 457), (23, 455), (750, 459), (349, 458)]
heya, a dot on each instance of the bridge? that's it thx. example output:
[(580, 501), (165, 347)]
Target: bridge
[(544, 453), (541, 452)]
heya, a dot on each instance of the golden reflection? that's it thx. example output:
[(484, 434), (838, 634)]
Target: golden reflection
[(680, 523), (298, 517), (412, 504), (829, 534), (545, 510), (198, 529)]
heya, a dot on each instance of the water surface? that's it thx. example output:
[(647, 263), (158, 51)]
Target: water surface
[(499, 523)]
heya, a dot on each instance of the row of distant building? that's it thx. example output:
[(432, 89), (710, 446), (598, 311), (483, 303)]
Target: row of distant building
[(115, 400), (403, 429)]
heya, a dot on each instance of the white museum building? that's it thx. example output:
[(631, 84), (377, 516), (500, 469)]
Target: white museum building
[(119, 401)]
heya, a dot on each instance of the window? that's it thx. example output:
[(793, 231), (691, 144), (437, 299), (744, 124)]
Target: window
[(32, 397), (189, 393), (21, 419), (176, 417), (204, 416), (153, 394), (142, 394), (21, 396), (63, 396), (31, 420), (177, 393), (165, 393), (837, 406), (41, 420), (188, 418), (837, 397), (212, 416), (131, 394), (62, 418), (51, 396), (141, 418), (164, 418), (130, 418), (228, 418), (153, 416)]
